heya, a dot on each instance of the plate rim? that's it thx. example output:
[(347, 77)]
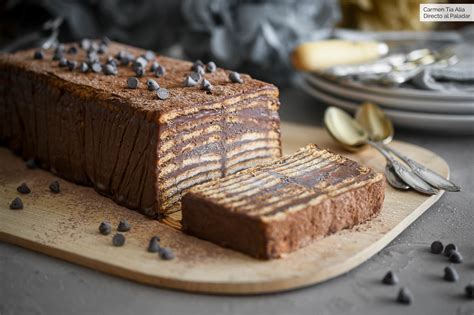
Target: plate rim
[(427, 106)]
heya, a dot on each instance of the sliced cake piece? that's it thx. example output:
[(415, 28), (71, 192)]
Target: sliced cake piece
[(95, 121), (278, 207)]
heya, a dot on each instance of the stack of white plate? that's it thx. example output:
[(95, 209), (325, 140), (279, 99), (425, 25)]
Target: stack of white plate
[(449, 113)]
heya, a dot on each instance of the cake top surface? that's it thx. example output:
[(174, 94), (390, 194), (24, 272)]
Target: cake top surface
[(141, 98), (290, 183)]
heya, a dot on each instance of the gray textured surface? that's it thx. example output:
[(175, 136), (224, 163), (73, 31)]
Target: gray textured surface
[(32, 283)]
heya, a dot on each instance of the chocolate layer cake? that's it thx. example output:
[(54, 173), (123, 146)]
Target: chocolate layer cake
[(278, 207), (142, 151)]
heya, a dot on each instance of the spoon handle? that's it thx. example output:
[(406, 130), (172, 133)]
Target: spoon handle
[(393, 179), (408, 176), (428, 175)]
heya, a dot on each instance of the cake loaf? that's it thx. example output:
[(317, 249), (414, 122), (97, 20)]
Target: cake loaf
[(85, 123), (276, 208)]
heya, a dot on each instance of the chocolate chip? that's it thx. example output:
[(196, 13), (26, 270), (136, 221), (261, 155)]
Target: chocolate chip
[(206, 86), (140, 62), (118, 240), (189, 81), (124, 57), (390, 278), (166, 253), (60, 48), (154, 245), (96, 67), (112, 61), (105, 41), (71, 65), (105, 228), (450, 274), (102, 49), (152, 85), (470, 290), (156, 238), (162, 94), (195, 76), (31, 164), (404, 296), (72, 50), (211, 66), (149, 55), (54, 187), (123, 226), (196, 64), (437, 247), (448, 249), (62, 62), (92, 58), (110, 69), (139, 71), (58, 55), (16, 204), (154, 66), (160, 71), (85, 44), (84, 67), (38, 54), (455, 257), (200, 70), (235, 77), (132, 83), (23, 189), (93, 48)]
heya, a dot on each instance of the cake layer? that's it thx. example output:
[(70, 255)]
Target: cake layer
[(278, 207), (92, 129)]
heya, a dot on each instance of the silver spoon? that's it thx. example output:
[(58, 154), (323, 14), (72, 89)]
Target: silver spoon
[(380, 128), (347, 131)]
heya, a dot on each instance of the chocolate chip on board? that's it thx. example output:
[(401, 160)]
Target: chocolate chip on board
[(54, 187), (105, 228), (16, 204), (124, 226), (23, 189), (166, 253), (154, 245), (118, 240)]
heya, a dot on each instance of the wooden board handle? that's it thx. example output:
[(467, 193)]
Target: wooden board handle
[(316, 56)]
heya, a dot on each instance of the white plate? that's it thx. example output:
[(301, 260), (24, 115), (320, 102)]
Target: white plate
[(433, 105), (447, 124), (405, 92)]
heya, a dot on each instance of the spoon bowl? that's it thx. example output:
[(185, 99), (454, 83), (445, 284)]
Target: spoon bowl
[(344, 129), (373, 119)]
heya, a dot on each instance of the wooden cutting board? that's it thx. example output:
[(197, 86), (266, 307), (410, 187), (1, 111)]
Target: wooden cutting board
[(65, 226)]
